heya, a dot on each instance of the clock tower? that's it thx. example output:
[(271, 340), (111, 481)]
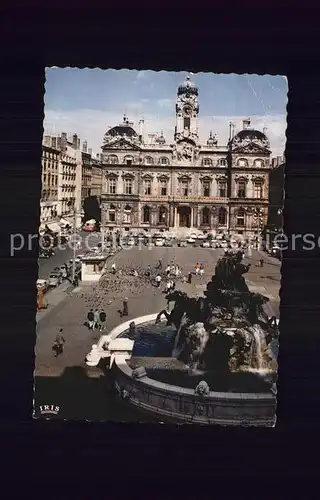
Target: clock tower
[(187, 109)]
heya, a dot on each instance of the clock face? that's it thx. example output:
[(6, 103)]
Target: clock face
[(187, 95)]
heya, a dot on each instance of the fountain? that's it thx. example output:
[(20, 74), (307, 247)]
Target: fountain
[(228, 329), (213, 362)]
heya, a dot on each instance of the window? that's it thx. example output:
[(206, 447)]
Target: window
[(146, 215), (164, 161), (222, 217), (112, 213), (206, 216), (112, 186), (222, 189), (241, 218), (127, 214), (207, 161), (241, 189), (242, 162), (147, 186), (162, 215), (128, 160), (258, 163), (128, 186), (257, 189), (186, 122), (163, 187), (206, 188), (223, 162), (184, 187), (149, 160)]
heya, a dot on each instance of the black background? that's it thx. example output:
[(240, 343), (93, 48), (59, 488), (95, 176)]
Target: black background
[(245, 39)]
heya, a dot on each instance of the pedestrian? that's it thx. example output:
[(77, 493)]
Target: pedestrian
[(168, 287), (114, 268), (159, 266), (201, 270), (173, 269), (261, 262), (125, 307), (197, 268), (190, 277), (178, 272), (58, 344), (90, 317), (102, 318), (148, 271), (158, 280), (168, 269), (173, 285), (96, 320)]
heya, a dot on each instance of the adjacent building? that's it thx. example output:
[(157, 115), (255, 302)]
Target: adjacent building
[(69, 176), (276, 194), (151, 184)]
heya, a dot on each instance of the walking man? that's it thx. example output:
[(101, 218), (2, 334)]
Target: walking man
[(113, 268), (201, 270), (90, 317), (102, 319), (58, 343), (96, 320), (125, 307), (168, 269), (197, 269), (158, 280), (190, 277)]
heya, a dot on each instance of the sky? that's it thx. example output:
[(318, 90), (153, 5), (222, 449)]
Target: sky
[(89, 101)]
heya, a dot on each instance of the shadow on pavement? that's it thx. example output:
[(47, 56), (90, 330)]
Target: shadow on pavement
[(82, 397)]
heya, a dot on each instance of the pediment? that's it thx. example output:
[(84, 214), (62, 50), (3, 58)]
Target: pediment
[(251, 148), (122, 144)]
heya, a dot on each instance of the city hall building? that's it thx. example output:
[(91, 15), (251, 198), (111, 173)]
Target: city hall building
[(184, 185)]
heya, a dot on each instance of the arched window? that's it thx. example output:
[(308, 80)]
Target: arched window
[(164, 161), (242, 162), (113, 159), (128, 160), (258, 163), (222, 217), (149, 160), (205, 216), (207, 162), (241, 217), (222, 162), (162, 215), (127, 214), (146, 215)]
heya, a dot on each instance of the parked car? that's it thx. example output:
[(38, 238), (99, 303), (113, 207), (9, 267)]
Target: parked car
[(182, 243), (131, 242), (168, 243), (201, 236), (191, 240), (54, 280), (159, 242), (276, 252), (205, 244)]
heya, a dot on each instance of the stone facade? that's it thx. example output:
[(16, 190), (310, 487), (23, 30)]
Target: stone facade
[(49, 178), (187, 185)]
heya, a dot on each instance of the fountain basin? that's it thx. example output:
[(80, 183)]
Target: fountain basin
[(180, 404)]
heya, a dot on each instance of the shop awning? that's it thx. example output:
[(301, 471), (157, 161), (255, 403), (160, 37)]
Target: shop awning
[(54, 227)]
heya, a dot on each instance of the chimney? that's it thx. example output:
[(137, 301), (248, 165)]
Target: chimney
[(141, 129), (84, 147), (90, 151), (98, 156), (47, 140), (78, 143), (64, 141), (59, 143), (246, 123), (54, 142), (74, 141)]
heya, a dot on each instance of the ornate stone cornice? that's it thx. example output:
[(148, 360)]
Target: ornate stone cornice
[(184, 177), (258, 177), (241, 177)]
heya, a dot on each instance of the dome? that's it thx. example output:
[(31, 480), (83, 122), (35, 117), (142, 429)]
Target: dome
[(124, 128), (211, 141), (161, 139), (251, 134), (188, 86)]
